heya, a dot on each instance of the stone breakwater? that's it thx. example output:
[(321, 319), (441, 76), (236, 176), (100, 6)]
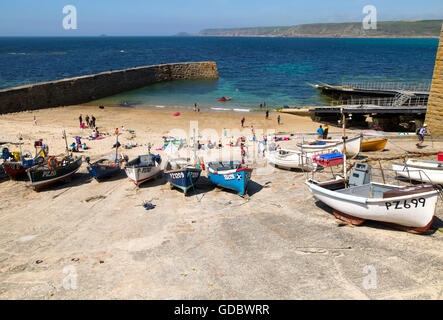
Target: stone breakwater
[(434, 114), (86, 88)]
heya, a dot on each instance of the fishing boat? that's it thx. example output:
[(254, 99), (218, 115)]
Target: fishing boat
[(56, 169), (373, 144), (353, 146), (181, 173), (224, 99), (420, 170), (105, 168), (410, 207), (3, 174), (143, 168), (16, 163), (291, 159), (230, 175)]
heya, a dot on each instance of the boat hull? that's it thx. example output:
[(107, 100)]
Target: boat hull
[(353, 146), (17, 169), (397, 210), (101, 171), (235, 179), (183, 179), (139, 175), (45, 177), (14, 169), (373, 145), (418, 172), (291, 160)]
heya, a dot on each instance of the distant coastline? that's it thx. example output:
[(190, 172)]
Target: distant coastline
[(317, 36), (385, 29)]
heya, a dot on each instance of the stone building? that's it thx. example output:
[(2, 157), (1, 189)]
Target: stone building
[(434, 114)]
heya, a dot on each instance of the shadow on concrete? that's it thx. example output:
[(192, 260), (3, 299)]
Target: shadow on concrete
[(253, 188), (154, 182)]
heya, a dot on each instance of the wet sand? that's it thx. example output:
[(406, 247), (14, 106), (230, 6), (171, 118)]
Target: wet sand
[(89, 240)]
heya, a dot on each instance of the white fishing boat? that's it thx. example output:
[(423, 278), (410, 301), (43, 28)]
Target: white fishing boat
[(291, 159), (353, 146), (410, 207), (143, 168), (420, 170)]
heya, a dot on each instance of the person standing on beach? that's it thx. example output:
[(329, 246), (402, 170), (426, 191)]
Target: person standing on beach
[(242, 122), (421, 134), (267, 114), (116, 131), (87, 120), (278, 119), (80, 119), (35, 121), (325, 132), (320, 132), (92, 121)]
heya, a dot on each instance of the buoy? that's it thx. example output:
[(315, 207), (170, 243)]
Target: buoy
[(52, 162)]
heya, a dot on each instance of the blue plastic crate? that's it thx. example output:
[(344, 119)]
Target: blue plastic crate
[(330, 156)]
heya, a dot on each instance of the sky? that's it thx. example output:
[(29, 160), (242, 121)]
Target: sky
[(168, 17)]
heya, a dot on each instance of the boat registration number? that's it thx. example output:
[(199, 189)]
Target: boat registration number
[(413, 203), (177, 175), (229, 177), (48, 173)]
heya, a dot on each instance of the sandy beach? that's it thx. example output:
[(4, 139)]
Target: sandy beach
[(89, 240)]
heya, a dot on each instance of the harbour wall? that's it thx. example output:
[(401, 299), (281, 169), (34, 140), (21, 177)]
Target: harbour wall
[(434, 113), (86, 88)]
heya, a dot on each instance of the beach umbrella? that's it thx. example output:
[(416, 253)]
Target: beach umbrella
[(171, 149)]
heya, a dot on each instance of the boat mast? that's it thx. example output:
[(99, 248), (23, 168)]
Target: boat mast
[(66, 141), (195, 146), (20, 138)]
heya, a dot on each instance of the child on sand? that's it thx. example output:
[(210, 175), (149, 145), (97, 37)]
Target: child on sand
[(421, 134)]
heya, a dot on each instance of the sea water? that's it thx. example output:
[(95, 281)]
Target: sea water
[(252, 70)]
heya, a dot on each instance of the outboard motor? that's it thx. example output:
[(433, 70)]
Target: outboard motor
[(360, 174)]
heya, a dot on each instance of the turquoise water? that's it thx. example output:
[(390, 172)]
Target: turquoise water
[(252, 70)]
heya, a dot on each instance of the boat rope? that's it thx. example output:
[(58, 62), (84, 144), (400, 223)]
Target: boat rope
[(193, 188)]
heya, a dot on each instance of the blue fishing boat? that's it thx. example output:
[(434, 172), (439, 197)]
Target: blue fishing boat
[(230, 175), (105, 168), (181, 173)]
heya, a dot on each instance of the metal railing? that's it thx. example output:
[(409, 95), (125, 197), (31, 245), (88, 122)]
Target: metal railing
[(410, 101), (396, 86)]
